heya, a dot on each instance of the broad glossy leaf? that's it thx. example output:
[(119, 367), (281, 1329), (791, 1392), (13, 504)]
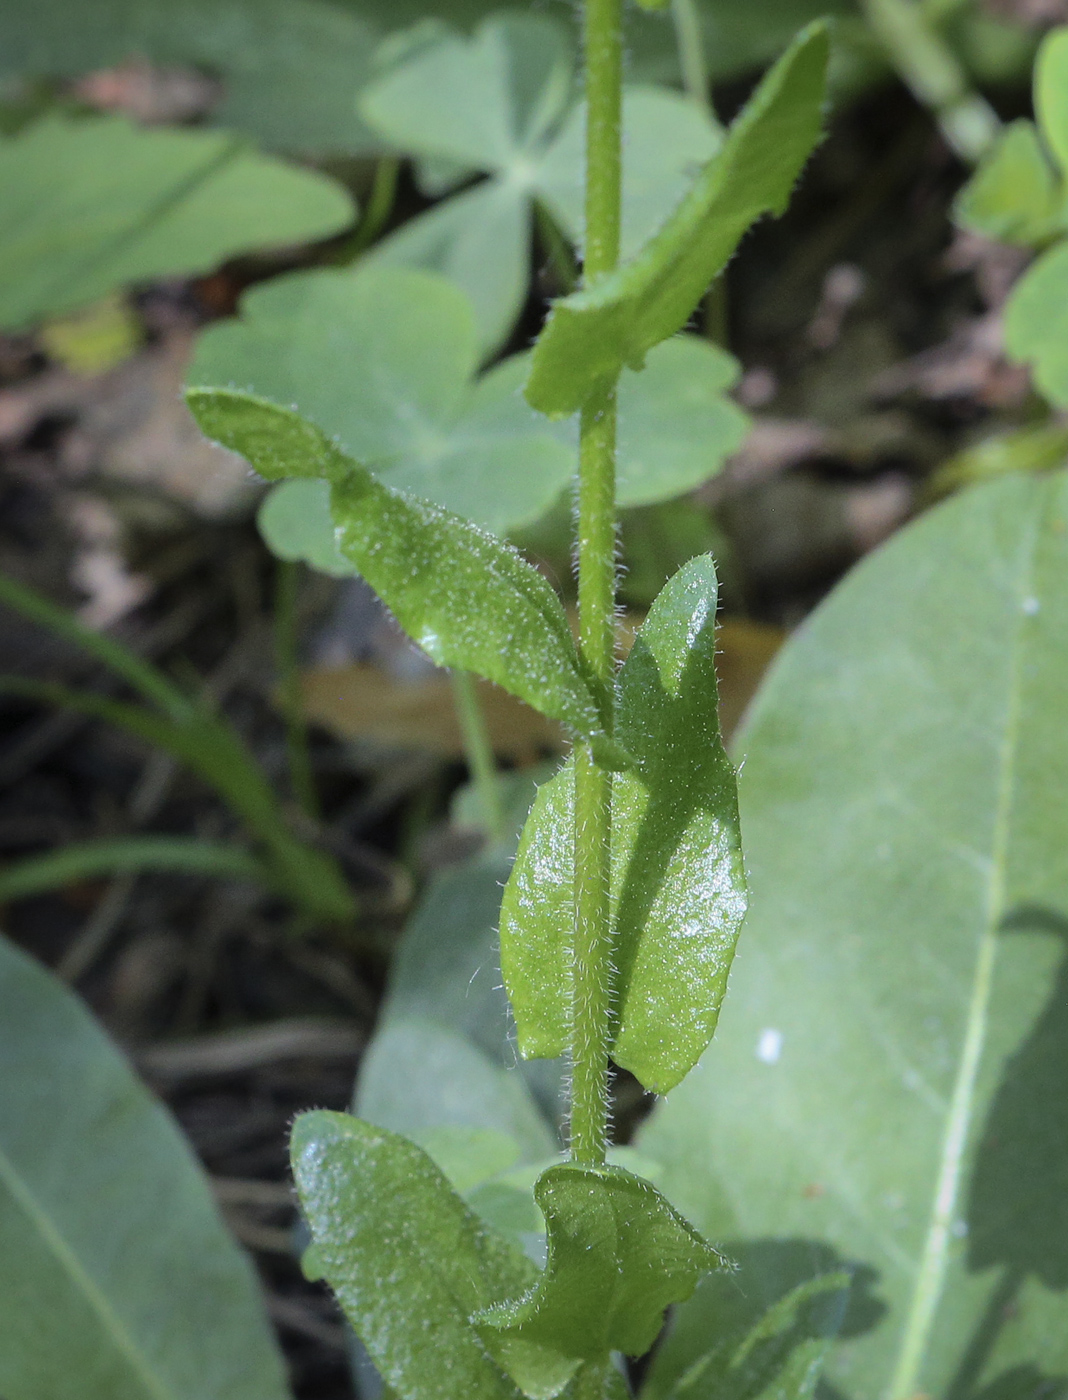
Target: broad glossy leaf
[(290, 67), (1036, 322), (384, 360), (409, 1262), (494, 103), (618, 1256), (678, 887), (1051, 94), (890, 1068), (118, 1280), (1015, 195), (593, 333), (94, 204), (468, 599)]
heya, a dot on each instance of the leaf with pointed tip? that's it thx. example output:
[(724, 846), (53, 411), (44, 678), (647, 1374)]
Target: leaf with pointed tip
[(467, 598), (96, 203), (497, 102), (618, 1256), (118, 1280), (593, 333), (892, 1062), (678, 887), (408, 1261)]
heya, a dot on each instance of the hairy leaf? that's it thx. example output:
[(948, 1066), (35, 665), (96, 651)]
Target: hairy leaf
[(468, 599), (383, 359), (678, 887), (113, 1258), (94, 204), (593, 333), (618, 1256), (409, 1262), (496, 103), (886, 1074)]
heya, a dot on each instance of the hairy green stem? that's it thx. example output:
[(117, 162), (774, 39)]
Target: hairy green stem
[(597, 585), (479, 752)]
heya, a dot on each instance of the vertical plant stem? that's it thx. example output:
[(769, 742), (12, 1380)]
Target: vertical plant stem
[(479, 752), (285, 625), (597, 584)]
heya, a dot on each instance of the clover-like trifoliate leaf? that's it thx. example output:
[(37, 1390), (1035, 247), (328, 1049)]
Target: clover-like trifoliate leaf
[(93, 204), (498, 103), (384, 360), (619, 1254), (1015, 196), (678, 885), (467, 598), (593, 333), (408, 1260)]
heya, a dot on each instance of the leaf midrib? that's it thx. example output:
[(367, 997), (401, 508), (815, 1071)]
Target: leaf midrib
[(73, 1268), (931, 1274)]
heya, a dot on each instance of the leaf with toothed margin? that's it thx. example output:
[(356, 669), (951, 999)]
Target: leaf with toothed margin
[(619, 1255), (678, 884), (591, 335), (465, 596)]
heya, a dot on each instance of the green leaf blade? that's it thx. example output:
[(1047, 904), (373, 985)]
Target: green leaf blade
[(883, 1075), (94, 204), (618, 1256), (112, 1253), (592, 334), (1036, 322), (1014, 196), (407, 1259), (678, 885), (465, 597), (1051, 94)]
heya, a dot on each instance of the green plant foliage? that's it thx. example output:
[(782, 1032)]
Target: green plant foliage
[(618, 1256), (441, 1060), (93, 204), (1015, 195), (1036, 322), (501, 103), (409, 1262), (384, 360), (86, 860), (884, 1076), (289, 67), (193, 733), (780, 1355), (112, 1254), (593, 333), (465, 597), (1021, 194), (678, 883)]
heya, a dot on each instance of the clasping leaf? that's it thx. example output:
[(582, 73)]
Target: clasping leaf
[(592, 334), (678, 886), (618, 1256)]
